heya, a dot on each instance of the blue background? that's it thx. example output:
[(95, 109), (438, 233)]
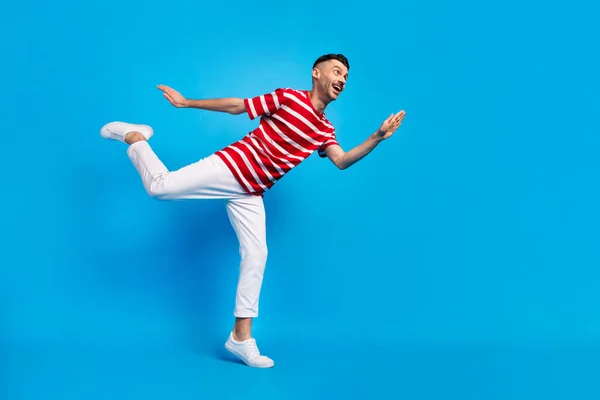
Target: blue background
[(458, 261)]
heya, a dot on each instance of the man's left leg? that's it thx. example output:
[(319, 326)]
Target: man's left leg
[(247, 216)]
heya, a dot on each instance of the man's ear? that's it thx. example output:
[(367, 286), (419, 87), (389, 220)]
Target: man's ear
[(316, 73)]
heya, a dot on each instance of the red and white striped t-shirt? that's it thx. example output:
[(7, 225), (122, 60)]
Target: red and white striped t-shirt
[(290, 130)]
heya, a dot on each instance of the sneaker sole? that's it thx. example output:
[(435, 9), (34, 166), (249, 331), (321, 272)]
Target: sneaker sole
[(232, 350)]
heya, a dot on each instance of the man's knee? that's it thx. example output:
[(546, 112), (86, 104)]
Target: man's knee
[(157, 189), (263, 254), (256, 254), (260, 254)]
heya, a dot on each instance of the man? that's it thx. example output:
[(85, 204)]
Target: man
[(292, 126)]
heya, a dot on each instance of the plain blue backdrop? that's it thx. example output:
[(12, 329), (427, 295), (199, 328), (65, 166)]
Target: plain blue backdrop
[(459, 260)]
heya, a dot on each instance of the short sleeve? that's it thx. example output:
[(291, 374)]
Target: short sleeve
[(329, 142), (264, 104)]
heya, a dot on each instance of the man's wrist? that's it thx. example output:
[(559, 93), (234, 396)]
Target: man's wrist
[(377, 137)]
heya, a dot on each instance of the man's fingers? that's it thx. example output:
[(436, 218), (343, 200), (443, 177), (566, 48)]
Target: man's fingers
[(400, 116), (165, 89), (393, 122), (395, 117)]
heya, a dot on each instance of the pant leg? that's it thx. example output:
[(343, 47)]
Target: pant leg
[(247, 216), (204, 179)]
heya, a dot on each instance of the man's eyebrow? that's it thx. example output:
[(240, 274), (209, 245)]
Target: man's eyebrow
[(337, 67)]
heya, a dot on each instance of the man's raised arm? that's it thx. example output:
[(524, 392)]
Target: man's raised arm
[(343, 159), (231, 105)]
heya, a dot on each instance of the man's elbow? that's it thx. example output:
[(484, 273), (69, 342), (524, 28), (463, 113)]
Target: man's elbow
[(340, 163), (237, 107)]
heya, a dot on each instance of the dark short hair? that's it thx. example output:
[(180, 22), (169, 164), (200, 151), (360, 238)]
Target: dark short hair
[(339, 57)]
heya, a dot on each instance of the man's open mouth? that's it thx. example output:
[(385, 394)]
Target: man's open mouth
[(337, 87)]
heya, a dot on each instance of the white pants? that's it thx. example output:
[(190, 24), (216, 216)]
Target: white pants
[(210, 178)]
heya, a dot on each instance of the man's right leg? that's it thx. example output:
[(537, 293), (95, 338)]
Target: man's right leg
[(247, 216)]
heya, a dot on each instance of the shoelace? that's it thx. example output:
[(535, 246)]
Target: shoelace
[(253, 349), (115, 135)]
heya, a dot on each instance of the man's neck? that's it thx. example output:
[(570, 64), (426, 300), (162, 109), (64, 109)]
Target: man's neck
[(319, 104)]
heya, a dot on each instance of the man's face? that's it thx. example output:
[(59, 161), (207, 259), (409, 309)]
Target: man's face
[(330, 78)]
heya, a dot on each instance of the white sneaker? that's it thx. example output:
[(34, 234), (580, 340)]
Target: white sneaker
[(247, 351), (117, 130)]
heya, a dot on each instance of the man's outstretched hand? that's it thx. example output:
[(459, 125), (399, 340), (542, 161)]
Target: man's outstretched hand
[(174, 97), (389, 126)]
